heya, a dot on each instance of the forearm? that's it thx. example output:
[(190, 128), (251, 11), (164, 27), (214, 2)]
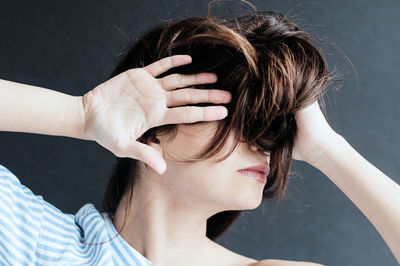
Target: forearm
[(375, 194), (32, 109)]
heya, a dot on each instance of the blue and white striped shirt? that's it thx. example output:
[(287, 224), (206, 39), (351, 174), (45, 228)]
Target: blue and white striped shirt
[(34, 232)]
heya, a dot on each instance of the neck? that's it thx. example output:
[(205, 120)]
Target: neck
[(164, 228)]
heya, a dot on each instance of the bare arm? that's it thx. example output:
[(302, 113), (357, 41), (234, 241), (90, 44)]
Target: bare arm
[(374, 193), (116, 112), (32, 109)]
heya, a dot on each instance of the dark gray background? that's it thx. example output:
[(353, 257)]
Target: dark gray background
[(71, 46)]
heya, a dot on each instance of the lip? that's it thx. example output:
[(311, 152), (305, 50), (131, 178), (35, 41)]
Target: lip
[(259, 172)]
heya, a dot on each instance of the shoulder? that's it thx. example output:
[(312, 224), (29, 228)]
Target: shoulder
[(231, 258), (274, 262)]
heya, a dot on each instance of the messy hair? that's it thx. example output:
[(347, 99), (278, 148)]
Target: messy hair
[(271, 68)]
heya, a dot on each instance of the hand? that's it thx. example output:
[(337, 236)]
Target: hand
[(120, 110), (312, 132)]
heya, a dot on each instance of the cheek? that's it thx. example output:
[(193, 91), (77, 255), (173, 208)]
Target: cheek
[(200, 180), (214, 185), (230, 189), (184, 147), (219, 180), (191, 140)]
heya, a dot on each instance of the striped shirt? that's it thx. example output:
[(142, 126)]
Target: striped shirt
[(34, 232)]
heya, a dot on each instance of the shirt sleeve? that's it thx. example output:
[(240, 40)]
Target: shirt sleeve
[(21, 214)]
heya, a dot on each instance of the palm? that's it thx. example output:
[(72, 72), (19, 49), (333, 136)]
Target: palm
[(120, 110), (116, 114)]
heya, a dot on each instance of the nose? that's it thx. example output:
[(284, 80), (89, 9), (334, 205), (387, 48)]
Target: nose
[(254, 149)]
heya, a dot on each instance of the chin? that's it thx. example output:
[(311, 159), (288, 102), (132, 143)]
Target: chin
[(234, 193), (246, 200), (248, 196)]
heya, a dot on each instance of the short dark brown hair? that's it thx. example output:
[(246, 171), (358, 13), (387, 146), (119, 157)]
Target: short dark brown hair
[(271, 68)]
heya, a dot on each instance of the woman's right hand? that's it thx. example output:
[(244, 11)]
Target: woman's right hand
[(120, 110)]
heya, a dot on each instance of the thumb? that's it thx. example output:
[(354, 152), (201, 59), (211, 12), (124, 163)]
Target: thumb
[(148, 155)]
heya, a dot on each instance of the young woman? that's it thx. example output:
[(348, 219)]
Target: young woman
[(185, 172)]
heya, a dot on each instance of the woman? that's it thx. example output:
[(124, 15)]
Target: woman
[(206, 163)]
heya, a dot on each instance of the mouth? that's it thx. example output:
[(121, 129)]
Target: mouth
[(257, 175)]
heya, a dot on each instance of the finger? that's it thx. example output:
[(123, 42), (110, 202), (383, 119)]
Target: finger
[(174, 81), (145, 153), (191, 114), (166, 63), (186, 96)]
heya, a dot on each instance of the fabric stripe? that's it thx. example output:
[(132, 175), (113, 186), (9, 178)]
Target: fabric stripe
[(33, 231)]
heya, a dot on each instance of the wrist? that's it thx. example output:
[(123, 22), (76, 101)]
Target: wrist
[(324, 151), (78, 117)]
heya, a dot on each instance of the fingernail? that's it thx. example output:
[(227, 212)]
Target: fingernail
[(228, 97), (224, 112), (188, 59), (161, 168)]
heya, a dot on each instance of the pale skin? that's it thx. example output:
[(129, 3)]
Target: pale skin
[(117, 112)]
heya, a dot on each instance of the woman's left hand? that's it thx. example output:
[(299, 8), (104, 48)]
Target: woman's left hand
[(312, 132)]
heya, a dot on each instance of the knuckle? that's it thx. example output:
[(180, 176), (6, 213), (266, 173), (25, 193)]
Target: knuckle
[(188, 112), (209, 95), (164, 65), (119, 147), (161, 83), (179, 80), (171, 60), (139, 153), (196, 78), (118, 153), (191, 94), (132, 74)]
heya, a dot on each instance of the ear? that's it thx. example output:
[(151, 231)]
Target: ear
[(154, 142)]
